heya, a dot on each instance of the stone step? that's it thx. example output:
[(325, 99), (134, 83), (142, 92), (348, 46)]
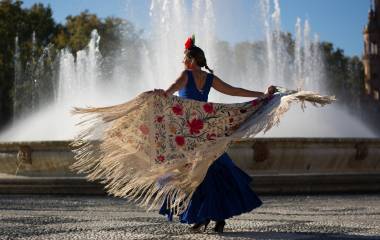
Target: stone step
[(316, 183), (49, 185), (263, 184)]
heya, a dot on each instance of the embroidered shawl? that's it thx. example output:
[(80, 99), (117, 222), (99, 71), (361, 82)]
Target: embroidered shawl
[(154, 147)]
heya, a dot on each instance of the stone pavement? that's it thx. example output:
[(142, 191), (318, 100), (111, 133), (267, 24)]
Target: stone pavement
[(100, 217)]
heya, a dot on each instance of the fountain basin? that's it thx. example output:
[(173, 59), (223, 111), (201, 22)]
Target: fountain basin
[(278, 165)]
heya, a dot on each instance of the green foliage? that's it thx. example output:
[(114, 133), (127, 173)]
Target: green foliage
[(23, 23), (38, 21), (78, 29), (345, 75), (76, 32), (110, 31)]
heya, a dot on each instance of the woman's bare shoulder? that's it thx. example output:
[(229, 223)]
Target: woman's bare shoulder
[(216, 78), (183, 76)]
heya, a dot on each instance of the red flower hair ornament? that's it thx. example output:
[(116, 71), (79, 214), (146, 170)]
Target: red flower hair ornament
[(190, 42)]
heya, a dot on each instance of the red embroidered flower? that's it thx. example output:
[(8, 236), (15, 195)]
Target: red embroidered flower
[(255, 102), (208, 107), (161, 158), (159, 119), (180, 140), (177, 109), (188, 165), (195, 126), (211, 136), (144, 129)]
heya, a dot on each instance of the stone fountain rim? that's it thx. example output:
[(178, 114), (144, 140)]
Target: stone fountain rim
[(64, 144)]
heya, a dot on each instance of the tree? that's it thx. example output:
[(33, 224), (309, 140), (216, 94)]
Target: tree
[(76, 33), (79, 30), (34, 27), (345, 76), (11, 15)]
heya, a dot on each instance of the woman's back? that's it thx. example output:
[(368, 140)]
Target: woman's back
[(191, 90)]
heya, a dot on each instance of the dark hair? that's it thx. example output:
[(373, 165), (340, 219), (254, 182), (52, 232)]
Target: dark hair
[(197, 54)]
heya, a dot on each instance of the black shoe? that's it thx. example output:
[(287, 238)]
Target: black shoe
[(219, 226), (197, 226)]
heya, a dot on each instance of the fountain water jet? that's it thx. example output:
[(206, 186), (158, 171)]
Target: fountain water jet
[(77, 86), (17, 78)]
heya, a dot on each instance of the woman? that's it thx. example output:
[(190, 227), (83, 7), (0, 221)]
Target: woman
[(187, 169), (225, 191)]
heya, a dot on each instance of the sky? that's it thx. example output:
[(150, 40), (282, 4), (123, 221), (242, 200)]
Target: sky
[(338, 21)]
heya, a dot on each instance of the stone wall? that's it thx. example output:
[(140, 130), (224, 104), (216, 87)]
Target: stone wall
[(307, 155), (278, 166), (255, 156)]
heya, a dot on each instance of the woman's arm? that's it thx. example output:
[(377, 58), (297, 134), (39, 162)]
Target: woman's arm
[(178, 84), (225, 88)]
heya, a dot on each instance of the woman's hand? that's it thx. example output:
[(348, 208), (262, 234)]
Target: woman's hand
[(271, 90)]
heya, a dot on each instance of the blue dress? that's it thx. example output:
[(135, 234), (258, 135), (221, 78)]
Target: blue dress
[(225, 191)]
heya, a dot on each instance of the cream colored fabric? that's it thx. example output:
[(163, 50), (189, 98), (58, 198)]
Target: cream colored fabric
[(155, 147)]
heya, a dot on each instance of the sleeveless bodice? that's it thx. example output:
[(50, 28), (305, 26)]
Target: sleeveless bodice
[(190, 91)]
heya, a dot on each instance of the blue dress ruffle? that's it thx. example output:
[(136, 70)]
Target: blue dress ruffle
[(225, 191)]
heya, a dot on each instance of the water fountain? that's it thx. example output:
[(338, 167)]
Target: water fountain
[(155, 63)]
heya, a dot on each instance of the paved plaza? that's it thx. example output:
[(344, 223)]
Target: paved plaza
[(101, 217)]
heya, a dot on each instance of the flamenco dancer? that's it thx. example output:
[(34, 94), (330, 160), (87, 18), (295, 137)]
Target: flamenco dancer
[(225, 191), (168, 153)]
